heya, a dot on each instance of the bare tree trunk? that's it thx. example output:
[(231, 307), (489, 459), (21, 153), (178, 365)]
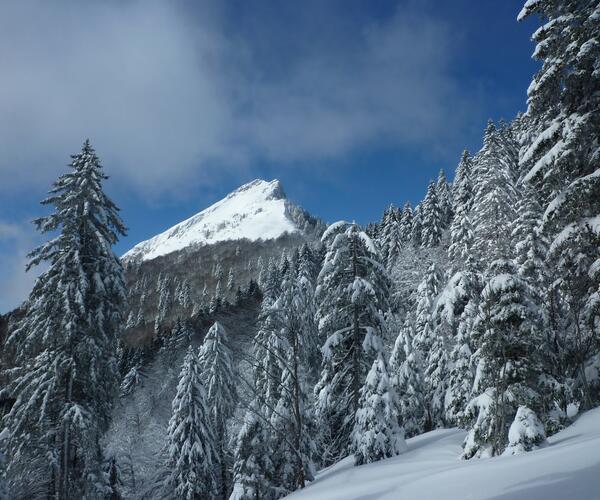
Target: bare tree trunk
[(587, 400), (223, 464), (298, 415), (355, 339)]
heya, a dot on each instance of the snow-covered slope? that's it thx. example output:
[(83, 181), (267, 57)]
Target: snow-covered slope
[(257, 210), (567, 469)]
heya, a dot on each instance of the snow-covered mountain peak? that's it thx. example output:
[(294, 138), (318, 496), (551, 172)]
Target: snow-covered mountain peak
[(257, 210)]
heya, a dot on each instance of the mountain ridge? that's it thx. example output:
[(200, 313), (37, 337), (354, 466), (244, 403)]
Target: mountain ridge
[(257, 210)]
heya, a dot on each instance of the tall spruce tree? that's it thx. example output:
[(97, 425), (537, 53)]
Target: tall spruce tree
[(493, 210), (561, 162), (507, 335), (432, 218), (352, 295), (67, 341), (218, 374), (444, 195), (407, 379), (191, 454), (461, 229), (406, 223), (376, 433), (253, 468), (293, 418)]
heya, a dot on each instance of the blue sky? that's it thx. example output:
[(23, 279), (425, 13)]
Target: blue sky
[(351, 104)]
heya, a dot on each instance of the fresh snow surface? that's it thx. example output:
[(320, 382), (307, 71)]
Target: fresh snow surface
[(254, 211), (567, 469)]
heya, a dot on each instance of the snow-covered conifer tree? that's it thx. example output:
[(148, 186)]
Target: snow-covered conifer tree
[(461, 230), (407, 379), (507, 336), (389, 236), (3, 487), (431, 218), (526, 433), (406, 224), (191, 454), (253, 468), (230, 281), (67, 341), (164, 300), (184, 297), (561, 162), (462, 374), (218, 375), (352, 295), (376, 434), (426, 293), (417, 225), (444, 195), (494, 200)]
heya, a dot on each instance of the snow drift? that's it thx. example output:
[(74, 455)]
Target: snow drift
[(568, 468)]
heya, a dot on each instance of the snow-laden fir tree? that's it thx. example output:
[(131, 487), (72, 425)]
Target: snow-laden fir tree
[(261, 271), (427, 292), (219, 378), (432, 222), (272, 284), (66, 343), (191, 455), (561, 162), (447, 360), (284, 264), (507, 335), (442, 327), (352, 296), (530, 245), (292, 425), (164, 301), (184, 297), (406, 224), (494, 199), (461, 229), (461, 377), (444, 195), (216, 300), (133, 378), (3, 487), (268, 352), (462, 362), (230, 281), (417, 225), (308, 265), (253, 467), (291, 419), (179, 337), (218, 273), (526, 433), (406, 371), (305, 305), (389, 236), (376, 433)]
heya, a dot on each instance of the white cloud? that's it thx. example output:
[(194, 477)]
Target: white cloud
[(169, 99)]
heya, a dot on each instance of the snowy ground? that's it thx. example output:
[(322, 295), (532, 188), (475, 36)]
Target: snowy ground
[(567, 469)]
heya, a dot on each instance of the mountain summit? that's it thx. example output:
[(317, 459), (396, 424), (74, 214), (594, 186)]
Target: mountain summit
[(255, 211)]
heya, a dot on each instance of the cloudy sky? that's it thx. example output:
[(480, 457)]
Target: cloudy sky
[(352, 104)]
